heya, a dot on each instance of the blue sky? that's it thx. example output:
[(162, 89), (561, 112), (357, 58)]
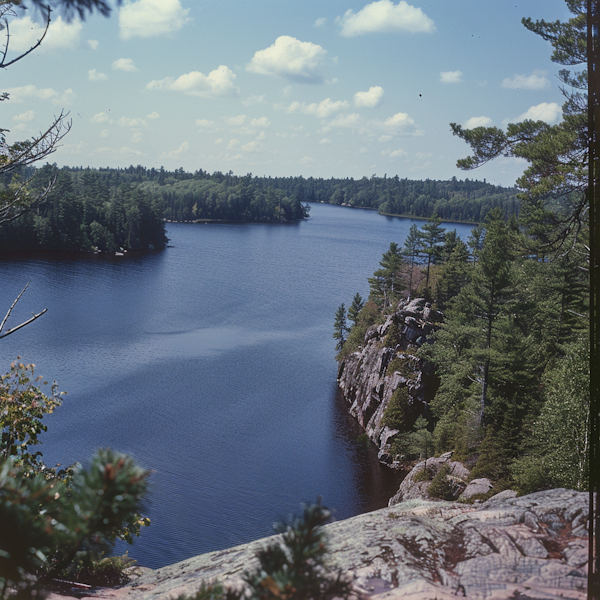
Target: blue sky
[(275, 87)]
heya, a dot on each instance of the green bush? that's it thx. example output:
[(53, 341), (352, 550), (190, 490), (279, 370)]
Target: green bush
[(441, 485), (396, 412)]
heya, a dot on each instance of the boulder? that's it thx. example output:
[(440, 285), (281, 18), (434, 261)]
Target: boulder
[(476, 487)]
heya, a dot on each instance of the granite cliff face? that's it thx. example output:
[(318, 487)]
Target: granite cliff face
[(386, 362)]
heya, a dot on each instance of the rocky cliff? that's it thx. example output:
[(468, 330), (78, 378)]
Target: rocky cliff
[(386, 363), (532, 547)]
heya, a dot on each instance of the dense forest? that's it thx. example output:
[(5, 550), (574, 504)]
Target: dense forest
[(110, 209), (512, 355)]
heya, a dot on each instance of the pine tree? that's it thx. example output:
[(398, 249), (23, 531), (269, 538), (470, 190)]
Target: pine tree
[(357, 305), (340, 327)]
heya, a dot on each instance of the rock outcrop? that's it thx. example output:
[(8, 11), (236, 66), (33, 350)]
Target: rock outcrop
[(369, 377), (532, 547)]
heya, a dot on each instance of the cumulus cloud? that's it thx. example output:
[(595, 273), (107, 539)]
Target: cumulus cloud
[(546, 111), (24, 33), (262, 122), (320, 22), (254, 99), (235, 121), (104, 133), (17, 94), (477, 122), (100, 118), (24, 117), (204, 123), (93, 75), (217, 83), (233, 144), (290, 58), (124, 64), (352, 120), (368, 99), (323, 109), (175, 153), (385, 16), (451, 76), (535, 81), (153, 115), (150, 18), (93, 44), (325, 141), (251, 147), (307, 160), (399, 124), (127, 122)]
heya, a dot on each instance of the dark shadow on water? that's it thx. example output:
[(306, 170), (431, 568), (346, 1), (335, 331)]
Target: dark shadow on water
[(375, 483)]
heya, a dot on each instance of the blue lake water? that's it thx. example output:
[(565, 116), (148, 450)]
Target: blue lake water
[(212, 363)]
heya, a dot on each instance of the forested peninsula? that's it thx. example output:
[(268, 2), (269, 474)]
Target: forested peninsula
[(106, 210)]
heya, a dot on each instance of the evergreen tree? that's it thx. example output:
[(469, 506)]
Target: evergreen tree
[(412, 244), (340, 327), (432, 235), (386, 282), (357, 305)]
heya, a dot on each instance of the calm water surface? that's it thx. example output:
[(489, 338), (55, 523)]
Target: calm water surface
[(212, 363)]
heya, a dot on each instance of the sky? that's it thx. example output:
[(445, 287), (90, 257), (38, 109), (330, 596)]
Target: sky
[(342, 88)]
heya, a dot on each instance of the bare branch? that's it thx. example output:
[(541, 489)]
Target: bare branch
[(13, 209), (12, 62), (33, 318)]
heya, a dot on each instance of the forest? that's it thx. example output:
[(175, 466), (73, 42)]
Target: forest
[(511, 357), (110, 209)]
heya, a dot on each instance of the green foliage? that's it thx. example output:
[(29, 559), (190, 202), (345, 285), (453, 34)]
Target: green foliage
[(396, 415), (210, 591), (386, 283), (340, 327), (22, 408), (357, 305), (106, 571), (368, 316), (424, 474), (557, 451), (46, 524), (421, 439), (441, 485)]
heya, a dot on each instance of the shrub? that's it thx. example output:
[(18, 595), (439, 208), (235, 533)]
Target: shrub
[(396, 412), (441, 485)]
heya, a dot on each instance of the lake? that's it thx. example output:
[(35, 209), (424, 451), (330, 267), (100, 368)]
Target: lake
[(212, 363)]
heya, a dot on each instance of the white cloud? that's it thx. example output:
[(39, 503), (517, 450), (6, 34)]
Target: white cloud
[(399, 124), (137, 136), (307, 160), (127, 122), (290, 58), (219, 141), (175, 153), (548, 112), (93, 75), (477, 122), (101, 118), (217, 83), (320, 22), (17, 94), (104, 133), (124, 64), (322, 110), (235, 121), (251, 147), (385, 138), (26, 116), (204, 123), (535, 81), (262, 122), (385, 16), (325, 141), (24, 33), (351, 120), (254, 99), (233, 144), (93, 44), (368, 99), (397, 154), (153, 115), (261, 136), (451, 76), (150, 18)]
